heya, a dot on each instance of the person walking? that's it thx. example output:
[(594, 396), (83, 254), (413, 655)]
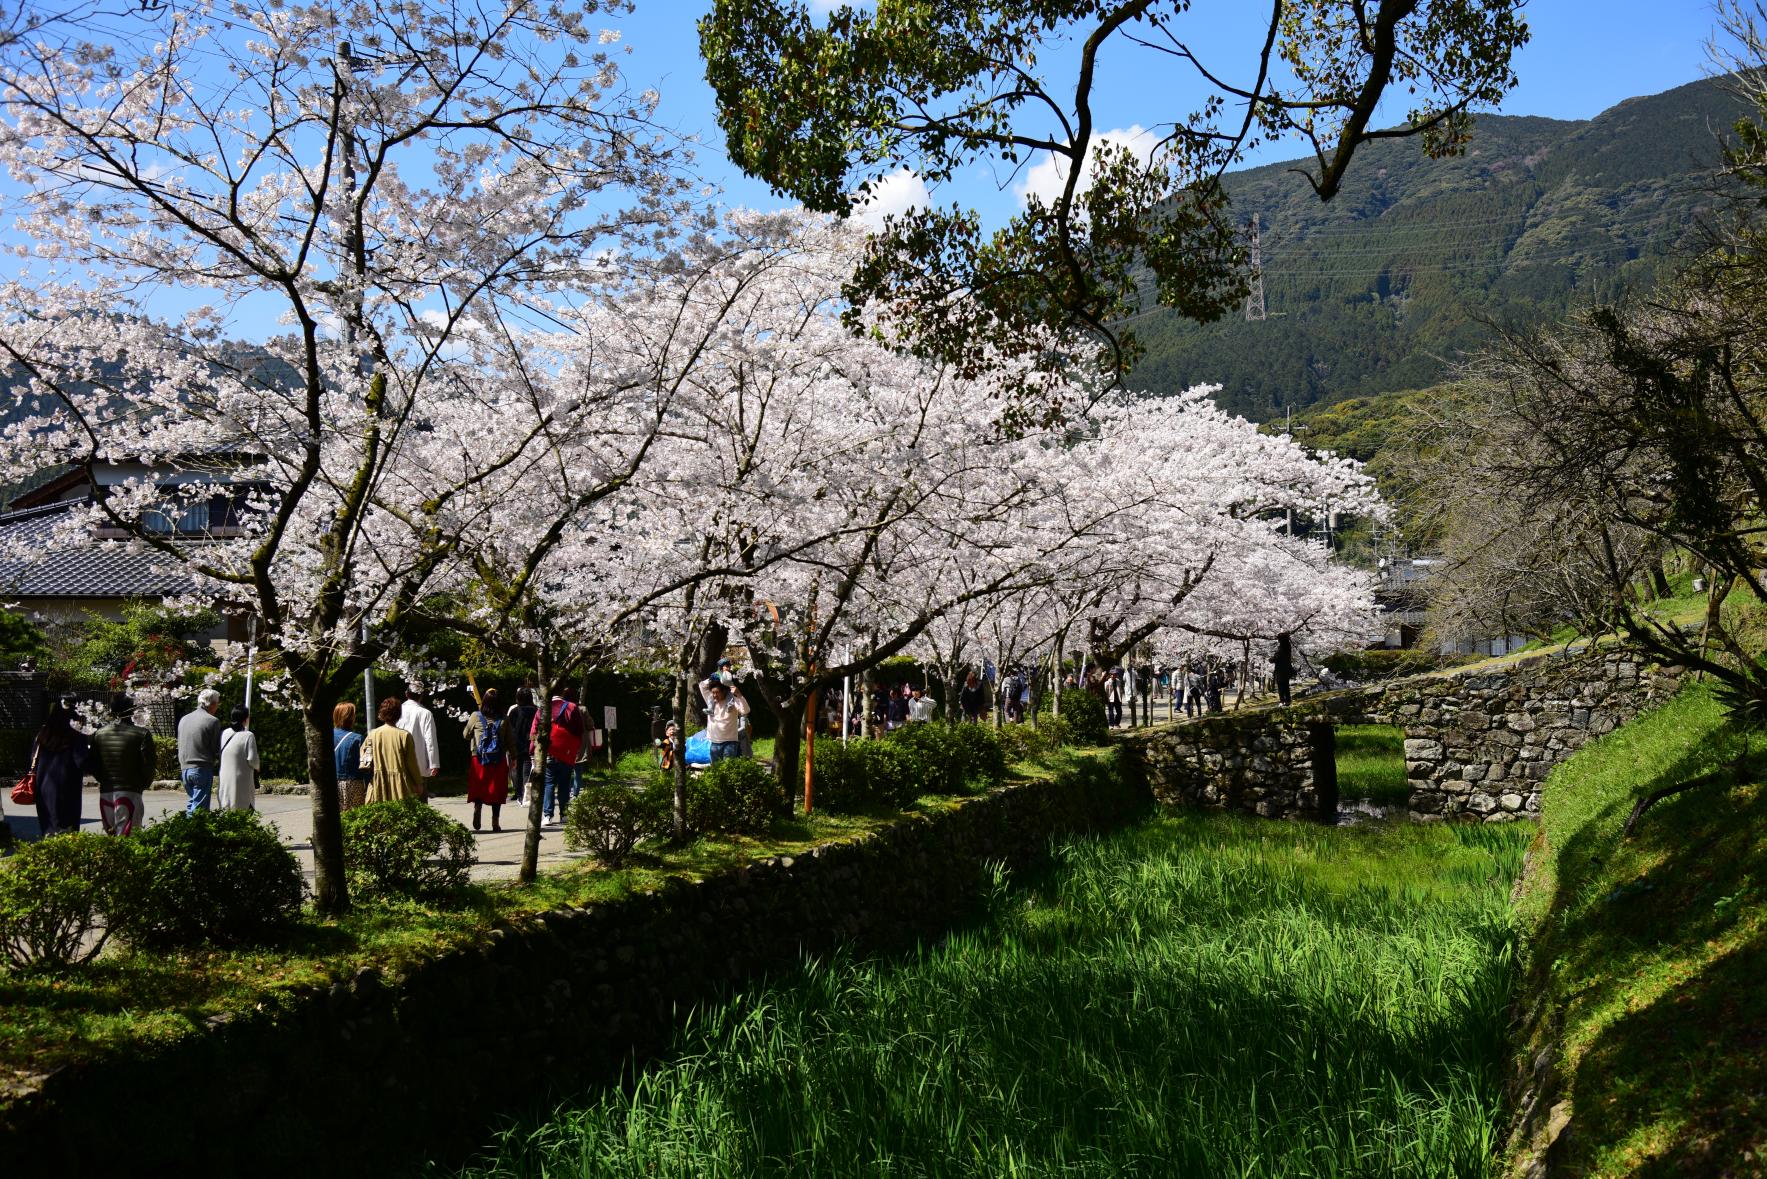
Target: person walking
[(725, 708), (123, 762), (1217, 683), (346, 746), (392, 758), (487, 774), (1177, 685), (898, 706), (199, 750), (972, 698), (1283, 666), (416, 718), (1113, 698), (59, 757), (239, 764), (1195, 687), (564, 741), (921, 707), (521, 744)]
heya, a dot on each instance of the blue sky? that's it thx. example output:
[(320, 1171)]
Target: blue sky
[(1585, 56)]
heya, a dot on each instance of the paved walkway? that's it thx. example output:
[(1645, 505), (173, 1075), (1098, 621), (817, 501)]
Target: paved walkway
[(499, 855)]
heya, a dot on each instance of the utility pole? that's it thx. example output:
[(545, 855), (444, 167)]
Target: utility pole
[(1254, 301)]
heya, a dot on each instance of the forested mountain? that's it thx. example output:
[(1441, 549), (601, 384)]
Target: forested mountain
[(1384, 286)]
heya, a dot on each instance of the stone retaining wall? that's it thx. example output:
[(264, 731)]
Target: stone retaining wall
[(1478, 743), (371, 1075)]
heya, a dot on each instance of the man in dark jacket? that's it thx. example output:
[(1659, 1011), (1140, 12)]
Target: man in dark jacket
[(123, 763)]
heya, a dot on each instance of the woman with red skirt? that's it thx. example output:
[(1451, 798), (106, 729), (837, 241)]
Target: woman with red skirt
[(487, 774)]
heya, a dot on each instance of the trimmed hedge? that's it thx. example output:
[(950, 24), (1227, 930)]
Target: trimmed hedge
[(737, 795), (954, 758), (405, 849), (61, 897), (608, 819), (1084, 716), (217, 877), (866, 776)]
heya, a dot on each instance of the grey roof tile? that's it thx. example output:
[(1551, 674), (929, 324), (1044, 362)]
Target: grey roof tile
[(103, 569)]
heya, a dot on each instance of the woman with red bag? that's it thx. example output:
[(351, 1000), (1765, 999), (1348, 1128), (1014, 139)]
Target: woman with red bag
[(58, 761)]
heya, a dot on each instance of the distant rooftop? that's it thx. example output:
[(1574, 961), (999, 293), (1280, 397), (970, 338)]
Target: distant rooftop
[(101, 569)]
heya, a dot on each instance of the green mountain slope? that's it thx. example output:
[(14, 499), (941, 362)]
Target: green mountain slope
[(1386, 285)]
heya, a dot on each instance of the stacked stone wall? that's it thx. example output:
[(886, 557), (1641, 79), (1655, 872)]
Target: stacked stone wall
[(373, 1074), (1478, 744), (1260, 761)]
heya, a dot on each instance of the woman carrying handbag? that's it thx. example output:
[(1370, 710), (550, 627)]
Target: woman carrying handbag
[(58, 770)]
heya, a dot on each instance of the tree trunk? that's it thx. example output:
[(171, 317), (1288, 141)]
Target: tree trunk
[(330, 893), (678, 810), (1060, 673), (788, 745), (537, 775)]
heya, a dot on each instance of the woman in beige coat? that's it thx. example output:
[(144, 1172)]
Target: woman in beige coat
[(393, 756)]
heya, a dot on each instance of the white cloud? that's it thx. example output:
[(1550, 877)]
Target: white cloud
[(896, 193), (1049, 175)]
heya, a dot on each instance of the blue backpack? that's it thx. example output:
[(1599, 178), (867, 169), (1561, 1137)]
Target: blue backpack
[(490, 748)]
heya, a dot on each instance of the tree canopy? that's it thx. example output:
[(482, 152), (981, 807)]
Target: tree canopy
[(826, 111)]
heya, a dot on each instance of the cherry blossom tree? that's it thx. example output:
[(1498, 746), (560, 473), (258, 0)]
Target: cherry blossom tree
[(395, 187)]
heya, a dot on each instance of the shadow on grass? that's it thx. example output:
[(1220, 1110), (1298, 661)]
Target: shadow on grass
[(1663, 953)]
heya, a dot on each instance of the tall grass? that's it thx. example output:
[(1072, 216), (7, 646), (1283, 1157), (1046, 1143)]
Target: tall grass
[(1371, 763), (1202, 996)]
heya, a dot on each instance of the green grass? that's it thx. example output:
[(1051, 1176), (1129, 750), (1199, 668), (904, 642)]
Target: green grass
[(1202, 995), (1371, 764), (1653, 949)]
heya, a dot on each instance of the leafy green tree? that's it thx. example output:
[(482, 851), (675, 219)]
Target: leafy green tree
[(20, 639), (826, 112), (98, 653)]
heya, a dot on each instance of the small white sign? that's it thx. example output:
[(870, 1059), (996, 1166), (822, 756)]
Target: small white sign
[(608, 718)]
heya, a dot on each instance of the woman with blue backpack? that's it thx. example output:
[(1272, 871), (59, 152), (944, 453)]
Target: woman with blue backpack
[(487, 774)]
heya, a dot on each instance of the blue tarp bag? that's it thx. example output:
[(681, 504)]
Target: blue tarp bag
[(699, 749)]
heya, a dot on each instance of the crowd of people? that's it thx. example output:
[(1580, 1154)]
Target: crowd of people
[(399, 757)]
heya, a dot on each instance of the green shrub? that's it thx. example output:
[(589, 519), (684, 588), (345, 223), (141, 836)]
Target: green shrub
[(984, 755), (60, 897), (609, 818), (1021, 742), (953, 759), (405, 849), (166, 766), (938, 763), (1056, 731), (867, 775), (1388, 663), (1084, 715), (737, 795), (217, 877)]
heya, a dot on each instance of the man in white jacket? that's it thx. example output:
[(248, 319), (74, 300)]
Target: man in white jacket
[(420, 722)]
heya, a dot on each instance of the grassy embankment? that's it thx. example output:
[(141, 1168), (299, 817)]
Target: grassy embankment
[(126, 1001), (1654, 949), (1202, 995)]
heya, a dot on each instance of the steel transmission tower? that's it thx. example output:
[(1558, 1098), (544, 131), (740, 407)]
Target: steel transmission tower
[(1254, 301)]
